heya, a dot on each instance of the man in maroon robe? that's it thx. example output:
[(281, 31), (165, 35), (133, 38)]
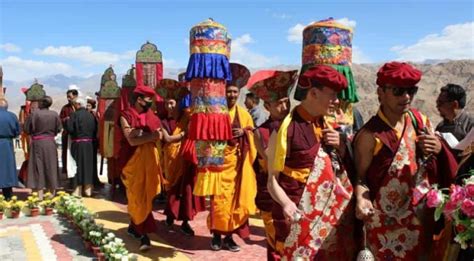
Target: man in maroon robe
[(307, 180), (273, 88), (398, 158), (64, 115)]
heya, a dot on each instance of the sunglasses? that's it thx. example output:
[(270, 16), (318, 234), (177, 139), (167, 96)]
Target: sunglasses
[(399, 91)]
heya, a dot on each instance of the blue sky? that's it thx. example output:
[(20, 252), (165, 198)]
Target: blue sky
[(39, 38)]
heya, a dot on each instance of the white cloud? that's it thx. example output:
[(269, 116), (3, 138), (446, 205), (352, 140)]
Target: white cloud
[(10, 48), (85, 54), (18, 69), (281, 16), (295, 33), (347, 22), (240, 53), (454, 42)]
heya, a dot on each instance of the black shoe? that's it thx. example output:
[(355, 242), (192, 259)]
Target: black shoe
[(216, 242), (169, 221), (145, 243), (230, 244), (186, 229), (131, 232)]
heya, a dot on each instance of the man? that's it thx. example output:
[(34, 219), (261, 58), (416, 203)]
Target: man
[(82, 127), (43, 125), (252, 104), (181, 203), (9, 129), (140, 163), (307, 180), (230, 210), (398, 157), (273, 88), (64, 114), (450, 104)]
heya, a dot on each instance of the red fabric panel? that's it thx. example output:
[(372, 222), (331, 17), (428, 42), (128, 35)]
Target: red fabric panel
[(210, 127), (139, 73)]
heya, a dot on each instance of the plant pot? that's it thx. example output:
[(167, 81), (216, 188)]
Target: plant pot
[(48, 211), (95, 250), (88, 244), (100, 256), (34, 212), (15, 214)]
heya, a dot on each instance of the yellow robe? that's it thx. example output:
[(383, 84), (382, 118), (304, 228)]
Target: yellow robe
[(232, 208), (142, 178), (172, 160)]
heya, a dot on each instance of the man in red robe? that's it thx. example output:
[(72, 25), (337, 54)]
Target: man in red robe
[(140, 163), (398, 158), (273, 88), (64, 115), (307, 178)]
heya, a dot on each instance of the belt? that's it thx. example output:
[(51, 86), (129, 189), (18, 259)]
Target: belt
[(82, 140), (43, 137)]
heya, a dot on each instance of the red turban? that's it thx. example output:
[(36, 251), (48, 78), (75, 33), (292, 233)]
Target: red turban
[(398, 74), (145, 91), (323, 75)]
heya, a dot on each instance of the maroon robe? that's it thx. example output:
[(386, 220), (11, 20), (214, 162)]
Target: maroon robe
[(148, 122), (181, 203)]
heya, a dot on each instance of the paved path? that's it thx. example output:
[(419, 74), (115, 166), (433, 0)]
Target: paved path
[(51, 237)]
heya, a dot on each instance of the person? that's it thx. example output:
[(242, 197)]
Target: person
[(230, 210), (451, 103), (64, 115), (82, 127), (398, 159), (9, 129), (43, 125), (273, 88), (252, 104), (91, 105), (140, 163), (180, 174), (307, 176)]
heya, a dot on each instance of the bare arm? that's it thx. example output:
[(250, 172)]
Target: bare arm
[(364, 151), (136, 137), (173, 138)]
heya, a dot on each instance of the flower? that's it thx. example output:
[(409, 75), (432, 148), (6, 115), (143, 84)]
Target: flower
[(457, 193), (469, 188), (467, 207), (434, 198)]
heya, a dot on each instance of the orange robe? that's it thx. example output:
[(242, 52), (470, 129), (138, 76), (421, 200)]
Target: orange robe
[(231, 208)]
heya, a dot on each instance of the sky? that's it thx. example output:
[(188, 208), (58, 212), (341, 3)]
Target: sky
[(83, 37)]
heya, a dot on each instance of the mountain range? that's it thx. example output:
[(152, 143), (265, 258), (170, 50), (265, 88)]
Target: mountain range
[(435, 75)]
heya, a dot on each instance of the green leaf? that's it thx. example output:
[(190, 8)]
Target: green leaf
[(438, 212)]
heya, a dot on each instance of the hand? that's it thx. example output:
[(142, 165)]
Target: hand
[(237, 132), (158, 133), (364, 208), (331, 138), (289, 211), (429, 144)]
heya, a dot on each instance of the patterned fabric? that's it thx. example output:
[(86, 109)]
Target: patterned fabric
[(209, 37), (324, 201), (171, 89), (397, 230), (329, 42), (271, 86), (240, 75)]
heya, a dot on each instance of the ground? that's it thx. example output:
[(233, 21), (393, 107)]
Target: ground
[(52, 238)]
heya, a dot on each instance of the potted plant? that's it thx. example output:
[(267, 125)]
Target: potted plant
[(15, 206), (47, 204), (2, 206), (32, 203)]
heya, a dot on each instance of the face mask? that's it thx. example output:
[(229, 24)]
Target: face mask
[(146, 106)]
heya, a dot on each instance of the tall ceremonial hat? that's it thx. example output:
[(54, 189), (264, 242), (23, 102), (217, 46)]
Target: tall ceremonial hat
[(171, 89), (35, 92), (271, 85), (329, 42), (240, 75)]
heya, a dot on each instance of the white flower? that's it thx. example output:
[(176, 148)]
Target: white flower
[(118, 240)]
